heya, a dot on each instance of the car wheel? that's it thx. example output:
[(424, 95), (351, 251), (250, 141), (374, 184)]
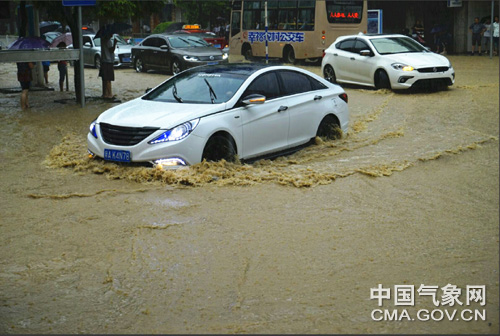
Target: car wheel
[(329, 74), (290, 55), (176, 67), (139, 65), (382, 80), (97, 61), (329, 128), (219, 147)]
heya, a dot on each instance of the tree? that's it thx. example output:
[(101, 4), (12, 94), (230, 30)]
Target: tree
[(204, 13)]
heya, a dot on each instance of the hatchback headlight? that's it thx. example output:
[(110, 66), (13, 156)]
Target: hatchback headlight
[(191, 58), (401, 66), (92, 129), (176, 133)]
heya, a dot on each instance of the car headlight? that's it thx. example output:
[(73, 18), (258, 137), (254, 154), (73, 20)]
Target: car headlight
[(92, 129), (191, 58), (401, 66), (224, 56), (176, 133)]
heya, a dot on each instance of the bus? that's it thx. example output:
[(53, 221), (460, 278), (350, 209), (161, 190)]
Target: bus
[(297, 30)]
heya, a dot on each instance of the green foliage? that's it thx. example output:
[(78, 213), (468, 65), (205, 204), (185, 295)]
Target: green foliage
[(204, 13), (162, 27)]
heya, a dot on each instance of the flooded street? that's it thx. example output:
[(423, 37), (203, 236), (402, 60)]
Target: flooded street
[(408, 197)]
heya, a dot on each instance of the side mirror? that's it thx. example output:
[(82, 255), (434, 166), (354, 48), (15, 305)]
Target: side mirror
[(87, 44), (254, 99), (365, 52), (164, 47), (147, 90)]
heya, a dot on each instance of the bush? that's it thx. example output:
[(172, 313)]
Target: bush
[(162, 27)]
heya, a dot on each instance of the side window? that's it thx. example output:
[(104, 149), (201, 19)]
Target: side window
[(160, 42), (148, 42), (266, 85), (86, 39), (347, 45), (316, 85), (360, 45), (295, 82)]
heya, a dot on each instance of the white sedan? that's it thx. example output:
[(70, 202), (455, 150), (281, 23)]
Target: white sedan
[(221, 112), (385, 61)]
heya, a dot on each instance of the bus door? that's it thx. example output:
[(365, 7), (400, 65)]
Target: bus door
[(235, 29)]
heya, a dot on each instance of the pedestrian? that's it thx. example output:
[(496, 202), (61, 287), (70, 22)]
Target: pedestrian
[(46, 68), (477, 30), (106, 72), (62, 66), (487, 36), (496, 34), (24, 78)]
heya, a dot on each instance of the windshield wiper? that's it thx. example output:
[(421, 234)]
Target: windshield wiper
[(212, 93), (174, 92)]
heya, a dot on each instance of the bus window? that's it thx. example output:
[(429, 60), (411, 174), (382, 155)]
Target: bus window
[(235, 23), (344, 11)]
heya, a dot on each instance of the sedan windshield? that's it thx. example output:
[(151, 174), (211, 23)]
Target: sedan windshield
[(186, 42), (396, 45), (198, 88)]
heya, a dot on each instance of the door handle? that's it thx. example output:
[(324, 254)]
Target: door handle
[(317, 97), (335, 54), (353, 59), (282, 108)]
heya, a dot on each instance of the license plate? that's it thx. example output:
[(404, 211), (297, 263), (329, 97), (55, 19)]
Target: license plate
[(126, 60), (217, 45), (212, 63), (116, 155)]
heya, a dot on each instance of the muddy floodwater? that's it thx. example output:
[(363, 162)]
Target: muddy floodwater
[(409, 196)]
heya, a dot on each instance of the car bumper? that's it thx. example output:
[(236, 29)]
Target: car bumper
[(189, 149), (406, 80)]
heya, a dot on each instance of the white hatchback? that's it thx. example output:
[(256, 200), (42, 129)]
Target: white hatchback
[(385, 61), (220, 112)]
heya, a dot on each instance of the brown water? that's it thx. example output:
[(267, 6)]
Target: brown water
[(408, 196)]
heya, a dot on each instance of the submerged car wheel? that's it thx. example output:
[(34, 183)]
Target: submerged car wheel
[(219, 147), (382, 80), (329, 128), (176, 67), (329, 74), (97, 61), (139, 65)]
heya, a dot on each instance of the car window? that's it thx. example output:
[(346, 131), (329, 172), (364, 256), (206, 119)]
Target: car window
[(86, 39), (148, 42), (347, 45), (360, 45), (97, 42), (295, 82), (316, 85), (158, 42), (196, 88), (266, 85)]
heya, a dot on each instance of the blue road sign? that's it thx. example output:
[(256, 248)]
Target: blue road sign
[(70, 3)]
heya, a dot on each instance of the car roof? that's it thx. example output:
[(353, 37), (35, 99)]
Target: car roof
[(245, 69), (370, 36)]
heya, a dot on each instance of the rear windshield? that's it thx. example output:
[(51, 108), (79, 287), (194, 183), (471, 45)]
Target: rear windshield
[(198, 88)]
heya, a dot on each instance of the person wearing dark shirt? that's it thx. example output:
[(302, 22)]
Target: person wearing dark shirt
[(477, 30)]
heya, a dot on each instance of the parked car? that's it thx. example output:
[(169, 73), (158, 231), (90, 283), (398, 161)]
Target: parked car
[(385, 61), (219, 112), (92, 51), (174, 53)]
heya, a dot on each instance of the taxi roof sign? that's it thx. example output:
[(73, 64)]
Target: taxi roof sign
[(191, 26)]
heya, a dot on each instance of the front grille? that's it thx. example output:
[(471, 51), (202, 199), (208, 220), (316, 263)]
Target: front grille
[(207, 58), (434, 69), (125, 136)]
